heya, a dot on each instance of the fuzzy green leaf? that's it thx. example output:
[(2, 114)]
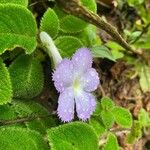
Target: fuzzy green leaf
[(102, 52), (17, 28), (112, 143), (145, 78), (16, 138), (68, 45), (19, 2), (5, 84), (107, 118), (73, 136), (122, 117), (50, 23), (107, 103), (31, 108), (27, 77)]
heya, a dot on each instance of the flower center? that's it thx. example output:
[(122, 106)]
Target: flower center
[(76, 86)]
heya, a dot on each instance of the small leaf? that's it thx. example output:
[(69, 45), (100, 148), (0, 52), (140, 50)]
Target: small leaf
[(112, 143), (17, 28), (135, 133), (50, 23), (19, 2), (145, 78), (16, 138), (73, 136), (107, 103), (27, 77), (5, 84), (102, 52), (68, 45), (107, 118), (122, 117), (72, 24), (144, 118), (98, 125)]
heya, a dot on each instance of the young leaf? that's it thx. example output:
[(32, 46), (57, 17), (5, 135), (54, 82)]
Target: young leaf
[(68, 45), (144, 118), (107, 103), (5, 84), (122, 117), (16, 138), (30, 108), (145, 78), (50, 23), (107, 118), (27, 77), (17, 28), (73, 136), (112, 143), (102, 52), (19, 2)]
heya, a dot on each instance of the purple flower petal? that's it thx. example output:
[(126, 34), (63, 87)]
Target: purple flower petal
[(90, 80), (63, 75), (82, 59), (85, 105), (66, 104)]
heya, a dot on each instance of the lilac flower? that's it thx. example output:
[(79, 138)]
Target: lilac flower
[(75, 79)]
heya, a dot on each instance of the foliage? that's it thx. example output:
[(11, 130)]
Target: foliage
[(28, 118)]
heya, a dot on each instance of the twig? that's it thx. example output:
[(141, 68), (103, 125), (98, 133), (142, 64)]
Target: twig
[(23, 119), (145, 29), (75, 8)]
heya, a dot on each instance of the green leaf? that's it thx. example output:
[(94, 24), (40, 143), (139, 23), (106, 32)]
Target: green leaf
[(116, 49), (73, 136), (107, 118), (50, 23), (102, 52), (16, 138), (33, 109), (6, 112), (98, 125), (72, 24), (145, 78), (112, 143), (98, 109), (107, 103), (68, 45), (19, 2), (5, 84), (89, 36), (17, 28), (135, 133), (89, 4), (122, 117), (144, 118), (27, 77)]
